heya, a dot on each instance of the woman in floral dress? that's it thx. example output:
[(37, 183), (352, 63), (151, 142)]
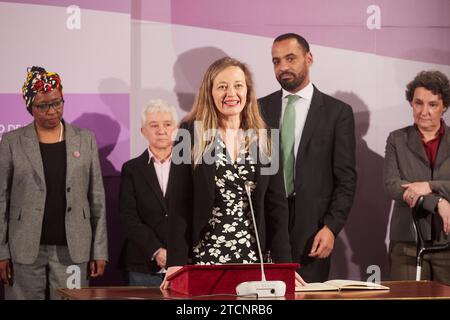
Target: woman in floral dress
[(223, 147)]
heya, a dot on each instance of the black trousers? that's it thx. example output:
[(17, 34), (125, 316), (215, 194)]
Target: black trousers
[(311, 269)]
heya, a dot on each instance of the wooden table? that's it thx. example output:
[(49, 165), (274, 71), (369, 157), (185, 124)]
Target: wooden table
[(399, 290)]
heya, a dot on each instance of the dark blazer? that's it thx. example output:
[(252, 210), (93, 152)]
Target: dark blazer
[(192, 200), (144, 214), (325, 176), (406, 161)]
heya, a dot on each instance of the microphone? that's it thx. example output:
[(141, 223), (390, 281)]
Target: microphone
[(263, 288)]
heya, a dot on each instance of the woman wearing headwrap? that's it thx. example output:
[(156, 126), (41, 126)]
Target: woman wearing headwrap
[(52, 202)]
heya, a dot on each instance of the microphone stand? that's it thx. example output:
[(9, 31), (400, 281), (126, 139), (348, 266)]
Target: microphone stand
[(263, 288)]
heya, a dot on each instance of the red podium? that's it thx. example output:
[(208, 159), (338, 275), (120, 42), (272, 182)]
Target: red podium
[(223, 278)]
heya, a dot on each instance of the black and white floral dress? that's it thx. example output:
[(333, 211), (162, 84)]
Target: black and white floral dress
[(229, 236)]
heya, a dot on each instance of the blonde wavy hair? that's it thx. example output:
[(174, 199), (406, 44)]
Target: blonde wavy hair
[(204, 111)]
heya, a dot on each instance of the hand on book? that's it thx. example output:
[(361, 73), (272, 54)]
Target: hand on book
[(299, 282), (165, 284)]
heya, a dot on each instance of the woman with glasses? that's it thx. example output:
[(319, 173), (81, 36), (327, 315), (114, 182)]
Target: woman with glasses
[(52, 201)]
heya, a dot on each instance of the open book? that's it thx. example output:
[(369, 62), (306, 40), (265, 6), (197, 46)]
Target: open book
[(336, 285)]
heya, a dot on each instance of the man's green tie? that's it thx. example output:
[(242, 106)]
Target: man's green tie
[(288, 143)]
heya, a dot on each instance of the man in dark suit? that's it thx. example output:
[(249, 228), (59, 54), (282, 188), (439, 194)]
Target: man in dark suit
[(143, 198), (318, 154)]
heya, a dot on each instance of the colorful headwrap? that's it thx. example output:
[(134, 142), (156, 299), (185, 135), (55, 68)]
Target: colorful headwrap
[(39, 80)]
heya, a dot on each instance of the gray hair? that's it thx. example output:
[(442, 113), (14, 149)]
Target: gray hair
[(158, 105)]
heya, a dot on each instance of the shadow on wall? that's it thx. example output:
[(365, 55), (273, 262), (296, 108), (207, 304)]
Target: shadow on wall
[(367, 224), (188, 72), (108, 85), (107, 132)]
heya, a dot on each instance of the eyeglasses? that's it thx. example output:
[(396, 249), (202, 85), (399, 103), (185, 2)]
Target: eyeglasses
[(44, 107)]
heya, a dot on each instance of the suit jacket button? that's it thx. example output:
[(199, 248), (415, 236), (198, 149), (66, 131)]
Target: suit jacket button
[(68, 189), (166, 215), (69, 209)]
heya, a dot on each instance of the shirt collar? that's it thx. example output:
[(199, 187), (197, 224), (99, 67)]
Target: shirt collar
[(152, 156), (305, 93)]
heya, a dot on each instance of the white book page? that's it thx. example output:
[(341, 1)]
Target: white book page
[(353, 284), (316, 286), (335, 285)]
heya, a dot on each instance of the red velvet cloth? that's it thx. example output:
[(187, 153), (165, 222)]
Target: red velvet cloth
[(223, 279)]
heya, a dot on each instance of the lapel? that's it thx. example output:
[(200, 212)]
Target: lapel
[(273, 110), (261, 181), (73, 149), (415, 145), (444, 148), (30, 145), (259, 188), (312, 121), (149, 173), (207, 172)]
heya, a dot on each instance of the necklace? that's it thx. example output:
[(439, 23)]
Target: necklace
[(61, 131)]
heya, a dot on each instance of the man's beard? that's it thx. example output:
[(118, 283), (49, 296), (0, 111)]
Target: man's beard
[(291, 85)]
